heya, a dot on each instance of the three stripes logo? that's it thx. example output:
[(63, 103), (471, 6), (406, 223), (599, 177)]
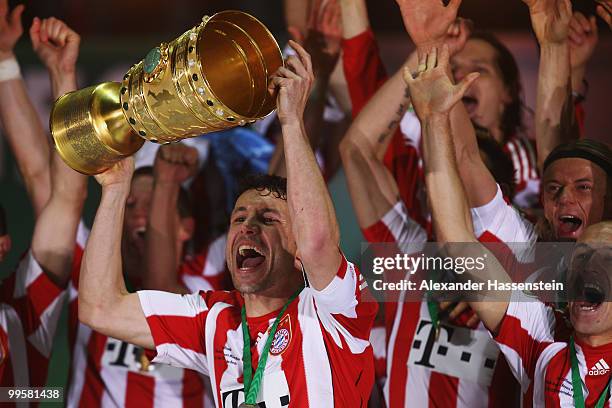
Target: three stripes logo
[(600, 368)]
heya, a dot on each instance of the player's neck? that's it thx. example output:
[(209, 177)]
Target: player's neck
[(274, 298), (260, 305), (595, 340)]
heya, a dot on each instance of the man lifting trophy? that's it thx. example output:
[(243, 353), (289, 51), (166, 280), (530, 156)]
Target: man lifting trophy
[(211, 78)]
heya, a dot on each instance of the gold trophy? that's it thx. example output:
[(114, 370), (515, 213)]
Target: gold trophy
[(211, 78)]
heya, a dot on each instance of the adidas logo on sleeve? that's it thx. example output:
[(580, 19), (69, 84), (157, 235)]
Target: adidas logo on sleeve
[(600, 368)]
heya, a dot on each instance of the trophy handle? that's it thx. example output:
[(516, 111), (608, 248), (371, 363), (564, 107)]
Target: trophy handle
[(90, 130)]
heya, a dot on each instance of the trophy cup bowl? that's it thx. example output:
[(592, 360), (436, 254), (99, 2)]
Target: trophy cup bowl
[(211, 78)]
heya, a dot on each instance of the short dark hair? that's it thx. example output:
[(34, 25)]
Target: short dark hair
[(3, 223), (512, 117), (275, 185), (588, 149), (499, 164), (184, 200)]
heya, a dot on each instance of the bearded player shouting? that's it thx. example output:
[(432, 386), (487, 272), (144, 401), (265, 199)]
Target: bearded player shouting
[(305, 346)]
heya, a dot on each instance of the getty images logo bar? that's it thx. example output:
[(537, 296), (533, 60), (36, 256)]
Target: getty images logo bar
[(600, 368)]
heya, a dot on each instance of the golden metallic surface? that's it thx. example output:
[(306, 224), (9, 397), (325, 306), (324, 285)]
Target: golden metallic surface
[(213, 77), (89, 130)]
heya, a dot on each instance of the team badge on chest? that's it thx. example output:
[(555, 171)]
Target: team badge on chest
[(282, 338)]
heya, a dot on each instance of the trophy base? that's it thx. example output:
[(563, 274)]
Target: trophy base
[(90, 131)]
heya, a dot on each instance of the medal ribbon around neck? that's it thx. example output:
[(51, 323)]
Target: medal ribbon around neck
[(252, 383), (577, 381)]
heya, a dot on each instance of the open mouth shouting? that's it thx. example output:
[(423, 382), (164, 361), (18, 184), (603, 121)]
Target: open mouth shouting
[(590, 290), (249, 257), (471, 104), (569, 226)]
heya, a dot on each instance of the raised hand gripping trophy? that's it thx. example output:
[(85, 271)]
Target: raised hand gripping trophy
[(211, 78)]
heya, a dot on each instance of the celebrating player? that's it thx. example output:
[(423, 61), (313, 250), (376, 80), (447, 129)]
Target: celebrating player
[(31, 298), (554, 373), (316, 353)]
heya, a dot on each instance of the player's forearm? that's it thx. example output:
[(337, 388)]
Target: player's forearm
[(554, 107), (101, 283), (161, 258), (480, 186), (354, 17), (27, 139), (380, 117), (311, 210), (449, 204)]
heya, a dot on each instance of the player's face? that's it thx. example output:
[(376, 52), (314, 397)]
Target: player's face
[(261, 250), (573, 195), (5, 246), (487, 97), (589, 277), (136, 214)]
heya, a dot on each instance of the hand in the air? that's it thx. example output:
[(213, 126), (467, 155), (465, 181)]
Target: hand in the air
[(292, 85), (56, 44), (175, 163), (583, 38), (432, 91), (428, 21), (120, 175), (10, 28), (604, 10), (550, 19)]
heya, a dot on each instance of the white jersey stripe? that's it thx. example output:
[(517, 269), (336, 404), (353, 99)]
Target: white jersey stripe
[(418, 380), (79, 364), (317, 370), (17, 345), (115, 380)]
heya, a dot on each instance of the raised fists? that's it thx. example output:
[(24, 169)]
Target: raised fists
[(431, 89), (56, 44)]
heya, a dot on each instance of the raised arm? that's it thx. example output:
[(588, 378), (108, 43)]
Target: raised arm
[(21, 124), (104, 302), (433, 97), (354, 17), (555, 119), (322, 41), (583, 37), (428, 22), (312, 214), (55, 231), (173, 165), (363, 148)]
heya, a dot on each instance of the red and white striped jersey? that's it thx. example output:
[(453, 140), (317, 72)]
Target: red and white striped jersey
[(542, 365), (107, 372), (522, 153), (462, 368), (30, 306), (320, 355)]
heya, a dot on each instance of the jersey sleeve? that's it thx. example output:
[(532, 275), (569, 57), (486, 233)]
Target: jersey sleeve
[(396, 226), (363, 68), (38, 303), (177, 326), (526, 330), (502, 221), (346, 308)]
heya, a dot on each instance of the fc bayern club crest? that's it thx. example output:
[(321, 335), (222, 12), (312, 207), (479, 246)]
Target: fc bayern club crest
[(280, 341)]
